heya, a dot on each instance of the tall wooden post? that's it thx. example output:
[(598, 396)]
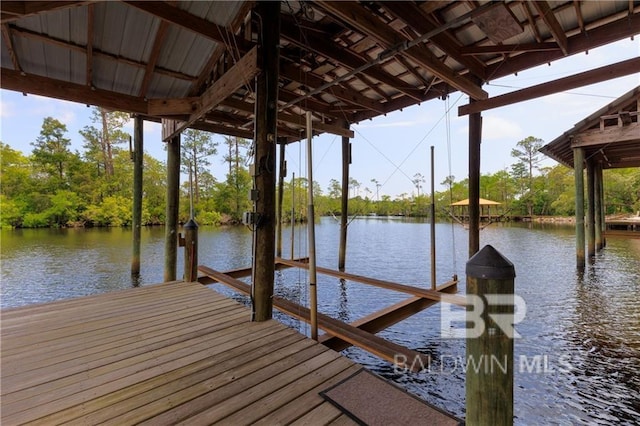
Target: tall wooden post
[(344, 215), (433, 222), (591, 223), (603, 212), (282, 174), (489, 378), (597, 205), (578, 164), (136, 217), (475, 138), (311, 232), (265, 159), (171, 216)]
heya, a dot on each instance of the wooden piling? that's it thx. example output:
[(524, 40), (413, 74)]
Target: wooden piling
[(489, 355), (191, 251), (475, 139), (344, 214), (591, 224), (578, 164), (293, 213), (265, 158), (311, 229), (171, 216), (136, 216), (282, 173), (603, 212), (433, 222), (597, 206)]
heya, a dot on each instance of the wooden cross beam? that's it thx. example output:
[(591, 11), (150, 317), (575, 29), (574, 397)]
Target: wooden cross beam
[(240, 74)]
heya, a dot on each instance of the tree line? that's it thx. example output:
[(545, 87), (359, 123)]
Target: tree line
[(56, 187)]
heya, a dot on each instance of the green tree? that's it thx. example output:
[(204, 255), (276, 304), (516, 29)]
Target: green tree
[(528, 156), (197, 147), (51, 153), (101, 140)]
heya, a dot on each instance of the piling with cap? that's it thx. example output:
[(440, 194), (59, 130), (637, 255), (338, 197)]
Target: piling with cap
[(191, 251), (489, 356)]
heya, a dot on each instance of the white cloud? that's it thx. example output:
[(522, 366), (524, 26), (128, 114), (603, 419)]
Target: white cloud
[(7, 109), (494, 127)]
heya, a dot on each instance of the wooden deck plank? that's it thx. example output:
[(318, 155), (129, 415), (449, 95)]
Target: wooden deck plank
[(41, 393), (95, 342), (305, 402), (326, 411), (160, 355)]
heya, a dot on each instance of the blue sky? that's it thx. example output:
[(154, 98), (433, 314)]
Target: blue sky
[(394, 148)]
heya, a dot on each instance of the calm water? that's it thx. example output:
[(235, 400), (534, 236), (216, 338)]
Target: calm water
[(583, 331)]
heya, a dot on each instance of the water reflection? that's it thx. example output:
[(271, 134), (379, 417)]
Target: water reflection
[(590, 320)]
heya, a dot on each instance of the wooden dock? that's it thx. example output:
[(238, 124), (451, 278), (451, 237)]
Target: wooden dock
[(162, 354), (178, 353)]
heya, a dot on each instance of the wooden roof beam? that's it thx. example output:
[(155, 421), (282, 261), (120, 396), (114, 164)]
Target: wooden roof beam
[(532, 21), (608, 72), (193, 23), (8, 41), (413, 16), (13, 10), (58, 89), (628, 26), (362, 20), (90, 21), (153, 57), (610, 136), (554, 26), (184, 106), (21, 32), (341, 92), (319, 45), (237, 76), (508, 48)]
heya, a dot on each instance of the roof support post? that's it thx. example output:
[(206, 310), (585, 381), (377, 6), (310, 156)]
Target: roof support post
[(171, 216), (591, 223), (603, 212), (475, 139), (136, 215), (578, 164), (344, 210), (265, 160), (282, 170), (597, 183)]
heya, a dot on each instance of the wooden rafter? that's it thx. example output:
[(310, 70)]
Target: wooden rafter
[(90, 21), (433, 5), (554, 26), (317, 44), (12, 10), (508, 48), (413, 71), (576, 5), (197, 86), (597, 75), (361, 19), (422, 23), (240, 74), (153, 57), (8, 41), (190, 22), (21, 32), (608, 33), (58, 89), (294, 73), (532, 21)]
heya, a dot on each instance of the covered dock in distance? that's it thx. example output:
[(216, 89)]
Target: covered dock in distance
[(608, 138), (274, 72)]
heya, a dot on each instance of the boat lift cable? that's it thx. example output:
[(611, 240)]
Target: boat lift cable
[(447, 108)]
